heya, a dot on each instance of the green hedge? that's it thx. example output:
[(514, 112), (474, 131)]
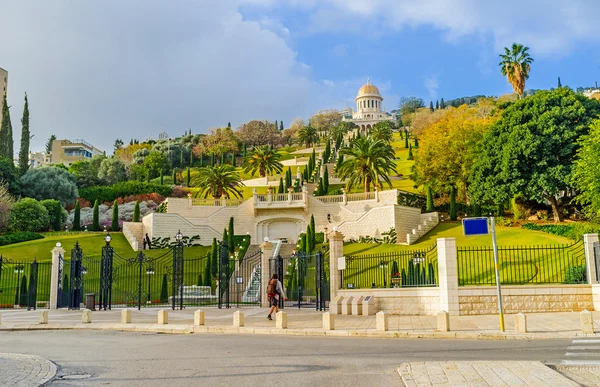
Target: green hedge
[(573, 231), (119, 190), (17, 237)]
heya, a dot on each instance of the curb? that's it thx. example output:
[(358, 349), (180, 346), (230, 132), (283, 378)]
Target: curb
[(191, 329)]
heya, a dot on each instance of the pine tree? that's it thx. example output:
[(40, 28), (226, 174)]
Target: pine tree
[(56, 217), (559, 84), (214, 262), (25, 137), (231, 236), (164, 290), (431, 106), (136, 212), (453, 215), (114, 226), (442, 104), (189, 177), (77, 217), (96, 217), (207, 273), (326, 181), (437, 105), (429, 199), (410, 154)]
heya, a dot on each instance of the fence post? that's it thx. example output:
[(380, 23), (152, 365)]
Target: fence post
[(590, 260), (336, 250), (448, 275), (56, 252), (265, 272)]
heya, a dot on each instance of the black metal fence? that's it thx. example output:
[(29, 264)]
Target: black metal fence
[(24, 284), (597, 259), (410, 268), (519, 265)]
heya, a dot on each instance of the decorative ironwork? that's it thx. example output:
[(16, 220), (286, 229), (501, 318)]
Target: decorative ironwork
[(59, 293), (32, 291), (177, 284), (106, 277), (76, 288), (140, 259), (224, 275), (322, 288)]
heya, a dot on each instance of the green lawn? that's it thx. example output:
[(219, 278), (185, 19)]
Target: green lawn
[(90, 242)]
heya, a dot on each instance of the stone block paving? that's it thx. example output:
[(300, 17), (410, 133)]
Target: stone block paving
[(481, 374), (585, 376), (20, 370)]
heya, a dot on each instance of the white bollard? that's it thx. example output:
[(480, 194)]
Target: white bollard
[(281, 320), (163, 317), (347, 305), (587, 323), (44, 317), (86, 316), (199, 317), (238, 319), (357, 306), (125, 316), (381, 321), (520, 323), (443, 321), (335, 306), (328, 321)]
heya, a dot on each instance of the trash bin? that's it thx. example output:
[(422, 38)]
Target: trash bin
[(90, 301)]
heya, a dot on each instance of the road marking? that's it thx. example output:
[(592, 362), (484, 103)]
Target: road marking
[(580, 362), (584, 347), (586, 341), (582, 354)]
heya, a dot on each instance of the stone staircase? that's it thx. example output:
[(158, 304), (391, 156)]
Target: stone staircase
[(252, 292), (428, 221)]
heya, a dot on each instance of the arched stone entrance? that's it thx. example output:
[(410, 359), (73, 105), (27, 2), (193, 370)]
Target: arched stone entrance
[(280, 227)]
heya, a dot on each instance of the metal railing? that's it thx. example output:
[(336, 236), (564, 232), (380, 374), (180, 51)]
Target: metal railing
[(519, 265), (206, 202), (409, 268), (331, 199)]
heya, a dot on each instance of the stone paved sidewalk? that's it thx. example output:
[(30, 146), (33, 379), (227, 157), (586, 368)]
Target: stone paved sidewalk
[(540, 325), (18, 370), (481, 374)]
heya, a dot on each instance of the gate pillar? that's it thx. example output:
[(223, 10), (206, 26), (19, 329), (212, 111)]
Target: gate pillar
[(265, 271), (57, 253), (336, 250), (590, 260), (448, 275)]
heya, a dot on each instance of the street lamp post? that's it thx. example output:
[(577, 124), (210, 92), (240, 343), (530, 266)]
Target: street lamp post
[(178, 270), (106, 264)]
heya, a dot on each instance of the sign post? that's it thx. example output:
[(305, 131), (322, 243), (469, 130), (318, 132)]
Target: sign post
[(479, 226)]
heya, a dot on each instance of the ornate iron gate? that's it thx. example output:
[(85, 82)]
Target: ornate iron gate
[(597, 259), (304, 280), (24, 284)]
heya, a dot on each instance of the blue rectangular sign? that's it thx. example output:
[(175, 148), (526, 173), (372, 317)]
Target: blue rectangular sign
[(475, 226)]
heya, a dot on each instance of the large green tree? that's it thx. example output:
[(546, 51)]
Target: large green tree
[(112, 171), (218, 181), (308, 135), (263, 160), (25, 137), (515, 65), (530, 150), (49, 183), (586, 171), (383, 131), (367, 161), (9, 175)]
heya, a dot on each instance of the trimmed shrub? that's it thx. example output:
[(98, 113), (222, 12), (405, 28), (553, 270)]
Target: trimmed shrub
[(96, 217), (18, 237), (121, 190), (29, 215), (49, 183)]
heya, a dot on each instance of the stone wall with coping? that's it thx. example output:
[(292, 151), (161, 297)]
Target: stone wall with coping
[(596, 296), (401, 301), (525, 299)]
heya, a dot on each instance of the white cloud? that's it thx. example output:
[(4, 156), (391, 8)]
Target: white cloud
[(432, 85)]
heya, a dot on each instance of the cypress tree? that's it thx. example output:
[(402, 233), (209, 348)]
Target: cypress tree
[(77, 217), (136, 212), (429, 199), (200, 282), (276, 125), (410, 155), (307, 241), (442, 104), (207, 273), (225, 238), (453, 215), (416, 142), (174, 176), (6, 137), (559, 84), (114, 226), (162, 175), (245, 151), (23, 296), (327, 153), (406, 138), (313, 238), (56, 217), (231, 236), (222, 158), (189, 177), (281, 126), (214, 262), (280, 189), (24, 151), (181, 158), (326, 182), (320, 187), (96, 217), (233, 159), (437, 105), (191, 158), (212, 159), (164, 290), (339, 162), (431, 106)]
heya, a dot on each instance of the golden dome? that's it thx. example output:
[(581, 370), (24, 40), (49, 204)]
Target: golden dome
[(368, 89)]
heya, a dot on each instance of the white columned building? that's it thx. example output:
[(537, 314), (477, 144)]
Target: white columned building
[(369, 108)]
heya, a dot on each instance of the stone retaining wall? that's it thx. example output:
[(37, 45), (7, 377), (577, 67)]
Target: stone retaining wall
[(404, 301)]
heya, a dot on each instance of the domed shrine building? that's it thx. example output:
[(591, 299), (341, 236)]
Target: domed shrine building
[(369, 108)]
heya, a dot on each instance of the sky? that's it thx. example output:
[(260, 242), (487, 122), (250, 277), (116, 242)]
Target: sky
[(132, 69)]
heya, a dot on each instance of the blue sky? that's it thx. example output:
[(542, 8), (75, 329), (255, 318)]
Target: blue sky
[(107, 70)]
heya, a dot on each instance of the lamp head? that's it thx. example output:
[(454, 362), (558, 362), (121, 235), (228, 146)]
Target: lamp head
[(107, 238), (179, 236)]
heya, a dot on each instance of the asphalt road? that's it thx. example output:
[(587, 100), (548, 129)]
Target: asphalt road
[(132, 359)]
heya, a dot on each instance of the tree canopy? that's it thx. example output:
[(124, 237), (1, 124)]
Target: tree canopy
[(586, 171), (530, 149), (49, 183), (324, 120)]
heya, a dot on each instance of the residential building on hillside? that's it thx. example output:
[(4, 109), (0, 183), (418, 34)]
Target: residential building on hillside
[(369, 108), (38, 159), (69, 151)]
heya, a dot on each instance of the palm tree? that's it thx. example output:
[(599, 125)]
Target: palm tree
[(369, 161), (515, 65), (382, 131), (264, 160), (308, 135), (221, 180)]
